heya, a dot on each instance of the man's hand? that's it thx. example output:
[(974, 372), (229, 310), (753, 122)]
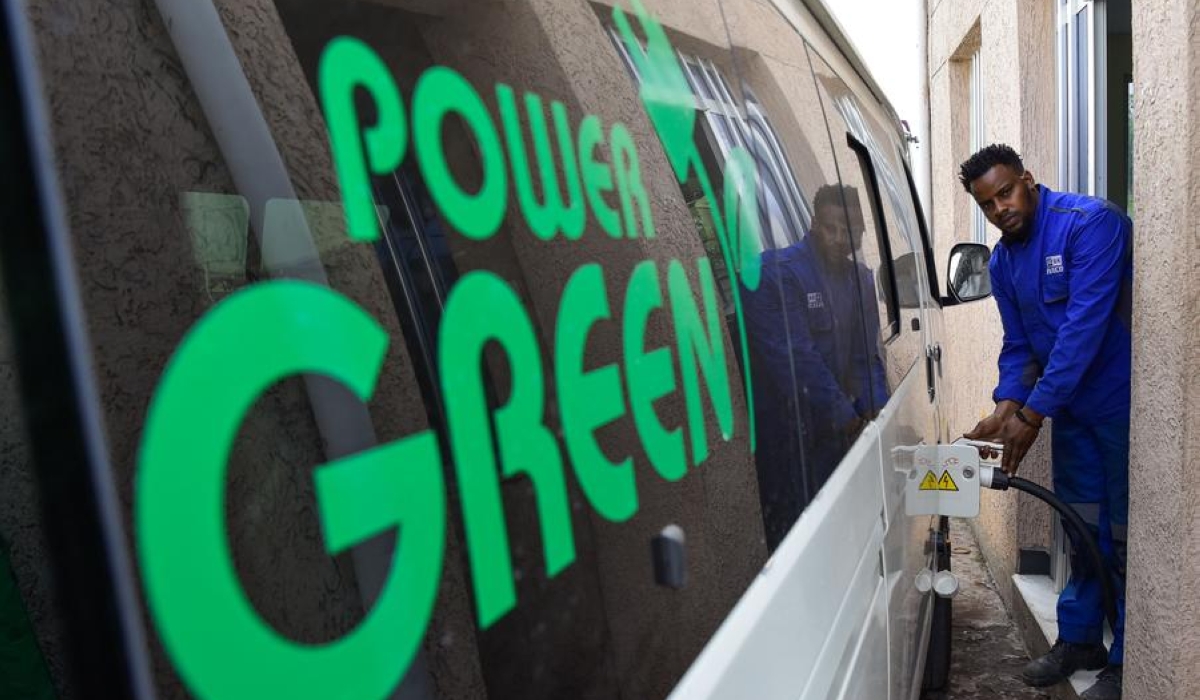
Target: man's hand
[(1018, 436), (991, 428)]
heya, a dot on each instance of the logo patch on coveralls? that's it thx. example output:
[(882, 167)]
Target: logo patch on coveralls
[(815, 300), (1054, 264)]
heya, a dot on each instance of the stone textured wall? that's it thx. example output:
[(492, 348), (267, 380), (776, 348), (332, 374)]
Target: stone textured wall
[(1016, 44), (1163, 642)]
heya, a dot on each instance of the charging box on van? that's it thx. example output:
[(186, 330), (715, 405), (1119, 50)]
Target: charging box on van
[(943, 480)]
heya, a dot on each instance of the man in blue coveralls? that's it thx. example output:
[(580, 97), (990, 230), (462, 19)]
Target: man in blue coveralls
[(818, 375), (1062, 276)]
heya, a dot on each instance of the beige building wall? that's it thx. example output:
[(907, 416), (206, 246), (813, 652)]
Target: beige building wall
[(1015, 40), (1163, 629)]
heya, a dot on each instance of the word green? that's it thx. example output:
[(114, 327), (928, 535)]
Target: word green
[(273, 330)]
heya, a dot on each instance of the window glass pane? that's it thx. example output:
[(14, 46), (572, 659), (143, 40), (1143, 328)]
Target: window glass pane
[(806, 318), (1129, 150), (785, 486), (1082, 101), (33, 649), (1064, 106), (978, 222), (889, 227), (480, 320), (903, 234)]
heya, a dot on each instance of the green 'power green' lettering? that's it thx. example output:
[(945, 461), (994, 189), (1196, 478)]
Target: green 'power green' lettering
[(544, 219), (222, 647), (741, 216), (347, 64), (440, 92), (274, 330), (705, 349), (597, 178), (649, 375), (629, 182), (482, 309), (590, 400)]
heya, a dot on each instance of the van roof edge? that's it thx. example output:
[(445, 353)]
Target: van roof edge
[(829, 23)]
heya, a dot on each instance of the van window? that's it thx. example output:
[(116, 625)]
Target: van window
[(900, 344), (885, 278), (31, 626), (808, 341), (455, 349), (433, 260), (931, 274)]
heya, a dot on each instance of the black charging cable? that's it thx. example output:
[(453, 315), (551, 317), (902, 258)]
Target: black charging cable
[(1077, 530)]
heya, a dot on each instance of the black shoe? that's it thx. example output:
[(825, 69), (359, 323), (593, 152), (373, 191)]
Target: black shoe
[(1107, 685), (1064, 659)]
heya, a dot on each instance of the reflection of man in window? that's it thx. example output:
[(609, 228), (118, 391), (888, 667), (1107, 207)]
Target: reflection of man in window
[(814, 337)]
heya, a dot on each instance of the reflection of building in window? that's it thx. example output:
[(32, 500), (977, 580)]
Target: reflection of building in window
[(728, 124), (785, 213), (218, 225)]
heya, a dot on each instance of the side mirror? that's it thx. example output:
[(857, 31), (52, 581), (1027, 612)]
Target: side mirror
[(968, 277)]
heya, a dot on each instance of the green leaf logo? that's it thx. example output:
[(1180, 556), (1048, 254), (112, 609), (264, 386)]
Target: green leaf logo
[(671, 105), (664, 88)]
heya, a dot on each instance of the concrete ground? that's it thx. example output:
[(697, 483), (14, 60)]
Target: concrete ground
[(987, 652)]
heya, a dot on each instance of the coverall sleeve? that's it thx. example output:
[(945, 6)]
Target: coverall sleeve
[(1095, 260), (1018, 367), (777, 324)]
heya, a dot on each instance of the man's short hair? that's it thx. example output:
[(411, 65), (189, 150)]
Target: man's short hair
[(832, 195), (985, 159)]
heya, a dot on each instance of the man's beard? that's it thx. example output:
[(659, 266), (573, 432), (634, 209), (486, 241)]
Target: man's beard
[(1021, 234)]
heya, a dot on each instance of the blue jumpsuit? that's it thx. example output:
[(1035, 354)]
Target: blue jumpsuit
[(816, 366), (1064, 295)]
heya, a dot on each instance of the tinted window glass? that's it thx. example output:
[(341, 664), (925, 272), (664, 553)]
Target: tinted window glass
[(432, 338), (414, 334), (897, 341), (32, 647), (806, 319)]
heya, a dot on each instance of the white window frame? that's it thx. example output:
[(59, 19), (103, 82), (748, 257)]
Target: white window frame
[(1082, 97), (979, 232)]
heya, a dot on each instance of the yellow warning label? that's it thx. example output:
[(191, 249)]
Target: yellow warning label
[(930, 482), (946, 483)]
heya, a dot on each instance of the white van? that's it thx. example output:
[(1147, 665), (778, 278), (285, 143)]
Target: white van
[(444, 349)]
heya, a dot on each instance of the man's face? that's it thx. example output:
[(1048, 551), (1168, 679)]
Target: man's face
[(834, 239), (1007, 199)]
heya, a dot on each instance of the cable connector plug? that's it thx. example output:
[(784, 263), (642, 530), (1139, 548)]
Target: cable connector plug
[(993, 478)]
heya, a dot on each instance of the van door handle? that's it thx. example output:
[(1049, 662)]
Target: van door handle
[(933, 356), (929, 372)]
